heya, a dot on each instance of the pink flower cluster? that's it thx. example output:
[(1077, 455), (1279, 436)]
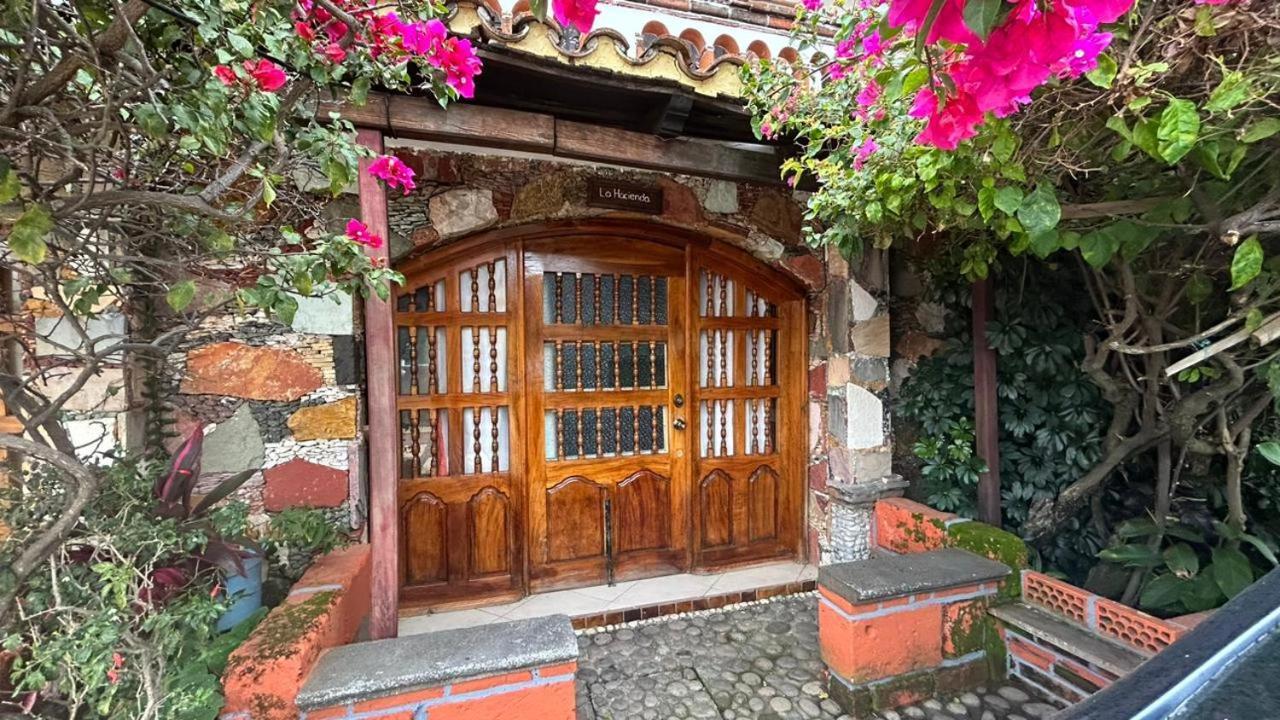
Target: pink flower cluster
[(1033, 45), (359, 233), (266, 75), (391, 170), (387, 36), (580, 14)]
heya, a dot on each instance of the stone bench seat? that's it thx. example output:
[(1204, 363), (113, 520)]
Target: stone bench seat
[(897, 629), (516, 669), (884, 577)]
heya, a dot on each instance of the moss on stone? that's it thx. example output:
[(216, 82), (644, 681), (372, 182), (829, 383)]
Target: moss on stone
[(904, 689), (278, 635), (996, 544), (968, 630)]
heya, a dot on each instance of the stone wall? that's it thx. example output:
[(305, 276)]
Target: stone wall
[(283, 400), (849, 330)]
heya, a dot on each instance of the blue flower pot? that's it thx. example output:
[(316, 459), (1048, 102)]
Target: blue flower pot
[(245, 592)]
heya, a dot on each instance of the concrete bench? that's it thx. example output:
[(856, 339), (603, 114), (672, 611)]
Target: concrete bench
[(503, 671), (897, 629)]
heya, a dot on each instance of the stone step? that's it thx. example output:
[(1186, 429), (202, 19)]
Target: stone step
[(1070, 637)]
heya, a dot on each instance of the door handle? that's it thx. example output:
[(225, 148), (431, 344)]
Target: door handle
[(678, 424)]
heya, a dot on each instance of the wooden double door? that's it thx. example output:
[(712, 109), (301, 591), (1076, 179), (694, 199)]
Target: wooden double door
[(584, 403)]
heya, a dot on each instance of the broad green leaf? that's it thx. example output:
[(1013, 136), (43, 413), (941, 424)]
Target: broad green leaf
[(538, 8), (26, 237), (360, 90), (1178, 130), (1044, 244), (1137, 527), (1199, 288), (1204, 22), (1181, 559), (986, 202), (1040, 210), (1260, 129), (1234, 90), (268, 192), (1162, 592), (1144, 136), (1132, 556), (1005, 144), (1253, 319), (1182, 532), (181, 295), (1270, 450), (981, 16), (1247, 263), (1261, 546), (1117, 124), (1009, 199), (1104, 73), (1202, 593), (1098, 247), (1231, 571), (9, 186)]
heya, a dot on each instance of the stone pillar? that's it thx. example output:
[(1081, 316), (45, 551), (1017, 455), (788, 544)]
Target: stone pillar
[(852, 513)]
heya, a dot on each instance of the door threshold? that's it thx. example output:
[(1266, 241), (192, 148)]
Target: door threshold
[(623, 602)]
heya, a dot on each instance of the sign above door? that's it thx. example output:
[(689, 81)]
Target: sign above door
[(624, 196)]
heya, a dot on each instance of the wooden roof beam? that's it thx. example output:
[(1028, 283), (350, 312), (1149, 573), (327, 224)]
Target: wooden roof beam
[(423, 119)]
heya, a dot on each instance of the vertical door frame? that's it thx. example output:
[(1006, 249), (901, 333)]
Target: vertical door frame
[(382, 434), (380, 351)]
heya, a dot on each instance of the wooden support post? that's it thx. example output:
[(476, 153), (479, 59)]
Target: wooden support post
[(986, 420), (382, 432)]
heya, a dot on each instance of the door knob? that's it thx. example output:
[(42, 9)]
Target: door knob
[(678, 400), (678, 424)]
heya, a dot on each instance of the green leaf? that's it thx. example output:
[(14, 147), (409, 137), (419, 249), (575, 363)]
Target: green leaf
[(1104, 73), (1247, 263), (9, 186), (1040, 210), (1270, 450), (1231, 571), (1260, 129), (360, 90), (1137, 527), (1044, 244), (1204, 22), (1234, 90), (986, 202), (1201, 593), (268, 191), (1162, 592), (1144, 136), (181, 295), (1098, 247), (538, 8), (1181, 559), (1199, 288), (1261, 546), (1182, 532), (1117, 124), (1009, 199), (26, 237), (1005, 144), (1178, 130), (1132, 556), (981, 16)]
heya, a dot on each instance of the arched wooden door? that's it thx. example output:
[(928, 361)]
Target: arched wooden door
[(582, 403)]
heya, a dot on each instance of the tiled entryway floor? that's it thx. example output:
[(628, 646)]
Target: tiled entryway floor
[(600, 599)]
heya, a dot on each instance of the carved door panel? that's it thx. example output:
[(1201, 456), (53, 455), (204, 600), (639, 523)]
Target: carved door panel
[(749, 425), (458, 378), (605, 371)]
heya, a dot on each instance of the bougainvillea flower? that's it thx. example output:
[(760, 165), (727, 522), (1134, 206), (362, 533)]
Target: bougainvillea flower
[(226, 75), (869, 94), (950, 122), (865, 151), (266, 74), (812, 5), (359, 233), (948, 25), (460, 65), (334, 53), (423, 38), (391, 170), (580, 14), (305, 31)]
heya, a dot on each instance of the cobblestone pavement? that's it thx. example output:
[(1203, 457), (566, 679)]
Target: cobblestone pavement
[(758, 660)]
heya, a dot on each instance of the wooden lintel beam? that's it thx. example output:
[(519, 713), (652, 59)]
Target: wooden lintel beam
[(733, 161), (422, 118)]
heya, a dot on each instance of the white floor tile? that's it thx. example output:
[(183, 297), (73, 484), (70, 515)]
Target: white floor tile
[(564, 602), (451, 620), (671, 588)]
